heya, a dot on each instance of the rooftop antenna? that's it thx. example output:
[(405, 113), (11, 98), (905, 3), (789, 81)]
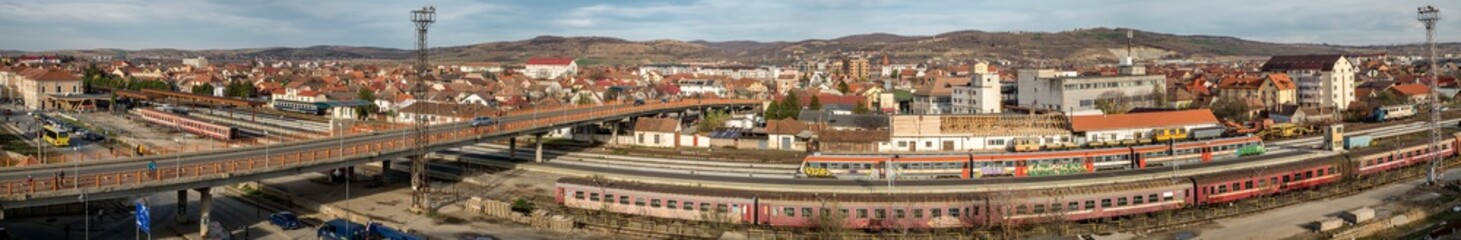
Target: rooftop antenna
[(419, 201), (1429, 15)]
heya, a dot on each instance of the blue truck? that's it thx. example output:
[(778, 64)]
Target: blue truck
[(340, 229)]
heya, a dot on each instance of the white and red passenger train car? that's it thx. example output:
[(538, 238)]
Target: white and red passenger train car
[(194, 126), (1029, 163)]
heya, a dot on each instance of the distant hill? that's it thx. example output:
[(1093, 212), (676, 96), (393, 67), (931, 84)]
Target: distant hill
[(1093, 45)]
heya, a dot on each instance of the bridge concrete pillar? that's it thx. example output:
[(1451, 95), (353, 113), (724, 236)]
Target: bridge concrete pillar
[(613, 133), (538, 156), (182, 213), (385, 172), (205, 205), (512, 149)]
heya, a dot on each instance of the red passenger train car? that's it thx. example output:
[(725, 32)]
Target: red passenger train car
[(948, 210)]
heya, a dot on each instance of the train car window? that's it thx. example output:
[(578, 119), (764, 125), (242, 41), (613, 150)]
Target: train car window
[(721, 208), (593, 197), (639, 202), (880, 213), (1151, 198), (918, 213), (845, 213), (1020, 210), (1331, 169), (609, 198), (899, 213), (1309, 174), (1222, 189), (789, 212), (578, 195), (1273, 180), (1055, 207), (670, 204), (862, 213), (1285, 179), (704, 207), (1121, 201), (935, 212), (1038, 209), (1248, 184), (689, 206), (624, 200), (654, 203), (1105, 203), (1136, 200), (1090, 204), (827, 212), (1236, 185), (1262, 182), (1319, 172), (807, 212), (1073, 206), (953, 212)]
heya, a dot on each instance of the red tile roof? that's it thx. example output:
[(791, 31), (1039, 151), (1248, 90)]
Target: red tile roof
[(1281, 81), (664, 125), (785, 126), (1142, 120), (39, 74), (1411, 89), (550, 61)]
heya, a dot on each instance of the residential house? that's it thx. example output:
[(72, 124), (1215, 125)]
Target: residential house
[(787, 134), (1416, 93), (936, 97), (657, 132), (1274, 89), (1323, 80)]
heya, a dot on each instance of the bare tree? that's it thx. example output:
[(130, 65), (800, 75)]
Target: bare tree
[(1113, 102)]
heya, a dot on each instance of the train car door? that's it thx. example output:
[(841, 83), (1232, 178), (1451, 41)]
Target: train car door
[(1020, 168), (1138, 157), (966, 171), (1090, 164), (1206, 153)]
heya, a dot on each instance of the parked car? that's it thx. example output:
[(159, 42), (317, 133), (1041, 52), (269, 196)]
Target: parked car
[(286, 220), (340, 229), (483, 121)]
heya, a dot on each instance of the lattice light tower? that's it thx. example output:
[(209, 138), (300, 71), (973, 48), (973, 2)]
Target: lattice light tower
[(419, 201), (1429, 15)]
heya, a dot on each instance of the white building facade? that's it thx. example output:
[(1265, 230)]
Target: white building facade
[(980, 95), (550, 68), (1066, 92), (1323, 80)]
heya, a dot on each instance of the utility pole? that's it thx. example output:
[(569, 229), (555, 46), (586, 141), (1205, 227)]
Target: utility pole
[(1429, 15), (419, 201)]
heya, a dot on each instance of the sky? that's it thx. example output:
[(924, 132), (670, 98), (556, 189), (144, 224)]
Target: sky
[(34, 25)]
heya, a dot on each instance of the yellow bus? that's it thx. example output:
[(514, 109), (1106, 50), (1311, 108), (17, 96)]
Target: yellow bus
[(55, 136)]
